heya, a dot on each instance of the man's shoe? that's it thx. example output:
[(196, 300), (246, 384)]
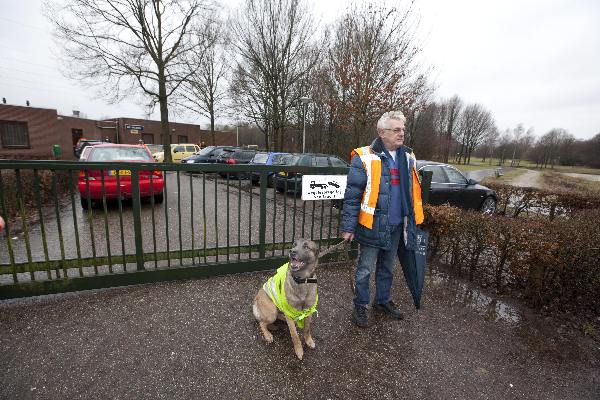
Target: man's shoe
[(360, 317), (390, 309)]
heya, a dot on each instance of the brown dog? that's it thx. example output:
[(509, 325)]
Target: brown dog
[(298, 281)]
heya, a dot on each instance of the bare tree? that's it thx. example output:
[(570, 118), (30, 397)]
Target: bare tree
[(489, 143), (204, 91), (273, 50), (475, 123), (525, 144), (517, 134), (453, 109), (503, 145), (125, 46), (549, 147), (373, 67)]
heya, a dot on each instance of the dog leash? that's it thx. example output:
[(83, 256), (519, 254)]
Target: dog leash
[(340, 245)]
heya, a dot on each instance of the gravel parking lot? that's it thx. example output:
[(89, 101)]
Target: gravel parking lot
[(198, 340)]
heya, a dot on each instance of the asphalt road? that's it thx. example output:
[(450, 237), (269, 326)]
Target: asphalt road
[(212, 224), (198, 340)]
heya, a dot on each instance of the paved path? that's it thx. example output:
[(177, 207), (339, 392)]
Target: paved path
[(528, 179), (589, 177), (481, 174), (198, 340)]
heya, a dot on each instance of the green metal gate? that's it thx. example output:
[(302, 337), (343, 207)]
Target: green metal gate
[(206, 223)]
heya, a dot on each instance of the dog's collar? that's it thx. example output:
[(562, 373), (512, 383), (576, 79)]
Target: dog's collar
[(304, 280)]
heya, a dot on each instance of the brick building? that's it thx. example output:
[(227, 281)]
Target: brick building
[(29, 132)]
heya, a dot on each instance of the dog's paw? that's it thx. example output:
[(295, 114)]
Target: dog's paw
[(268, 338), (310, 342), (299, 353)]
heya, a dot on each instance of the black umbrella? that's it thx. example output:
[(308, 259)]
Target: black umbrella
[(414, 264)]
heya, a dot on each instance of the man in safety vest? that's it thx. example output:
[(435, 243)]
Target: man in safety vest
[(382, 206)]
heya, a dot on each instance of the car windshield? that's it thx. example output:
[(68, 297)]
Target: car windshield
[(120, 153), (86, 151), (260, 158), (206, 151), (89, 143), (222, 152)]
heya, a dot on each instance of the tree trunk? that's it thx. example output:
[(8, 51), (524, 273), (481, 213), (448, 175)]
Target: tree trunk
[(212, 128), (164, 116)]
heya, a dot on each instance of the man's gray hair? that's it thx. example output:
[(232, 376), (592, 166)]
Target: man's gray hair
[(383, 121)]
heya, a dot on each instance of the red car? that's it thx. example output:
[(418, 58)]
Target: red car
[(119, 153)]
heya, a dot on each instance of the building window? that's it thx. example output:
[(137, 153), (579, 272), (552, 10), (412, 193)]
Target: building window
[(182, 139), (148, 138), (14, 134)]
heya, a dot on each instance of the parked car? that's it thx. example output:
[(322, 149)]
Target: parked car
[(82, 144), (208, 155), (119, 153), (155, 148), (85, 152), (239, 156), (265, 158), (179, 151), (449, 185), (293, 181)]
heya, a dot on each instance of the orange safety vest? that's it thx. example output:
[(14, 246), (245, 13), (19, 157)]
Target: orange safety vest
[(372, 164)]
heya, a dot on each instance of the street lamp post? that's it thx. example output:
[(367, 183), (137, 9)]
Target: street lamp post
[(304, 101)]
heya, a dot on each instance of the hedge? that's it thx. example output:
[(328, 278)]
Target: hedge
[(515, 201), (554, 264)]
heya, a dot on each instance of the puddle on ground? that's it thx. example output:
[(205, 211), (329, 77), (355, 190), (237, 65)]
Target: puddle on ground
[(490, 308)]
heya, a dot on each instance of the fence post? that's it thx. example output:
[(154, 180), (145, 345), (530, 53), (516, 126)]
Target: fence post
[(262, 225), (137, 220)]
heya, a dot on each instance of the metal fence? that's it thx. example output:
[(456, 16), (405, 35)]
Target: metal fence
[(207, 223)]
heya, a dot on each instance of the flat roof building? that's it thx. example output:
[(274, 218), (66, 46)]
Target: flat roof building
[(32, 133)]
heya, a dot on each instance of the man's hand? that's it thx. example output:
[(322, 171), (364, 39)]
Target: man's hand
[(348, 236), (1, 224)]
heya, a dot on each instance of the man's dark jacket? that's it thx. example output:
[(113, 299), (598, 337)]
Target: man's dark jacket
[(380, 235)]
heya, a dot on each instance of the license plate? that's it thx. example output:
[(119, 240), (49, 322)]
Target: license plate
[(121, 172), (283, 173)]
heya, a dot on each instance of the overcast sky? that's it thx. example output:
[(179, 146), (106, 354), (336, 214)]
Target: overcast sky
[(535, 62)]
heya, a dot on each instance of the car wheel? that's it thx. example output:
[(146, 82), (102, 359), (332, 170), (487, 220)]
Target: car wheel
[(159, 198), (271, 181), (84, 203), (488, 206)]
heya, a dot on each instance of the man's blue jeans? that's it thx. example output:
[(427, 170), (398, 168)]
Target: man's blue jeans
[(384, 262)]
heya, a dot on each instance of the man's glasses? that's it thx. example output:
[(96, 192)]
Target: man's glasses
[(394, 130)]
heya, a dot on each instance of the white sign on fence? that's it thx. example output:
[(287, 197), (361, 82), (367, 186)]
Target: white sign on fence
[(322, 187)]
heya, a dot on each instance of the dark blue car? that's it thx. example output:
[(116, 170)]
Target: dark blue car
[(208, 155), (266, 158)]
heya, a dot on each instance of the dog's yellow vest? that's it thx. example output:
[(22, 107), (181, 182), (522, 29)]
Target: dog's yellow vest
[(275, 288)]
